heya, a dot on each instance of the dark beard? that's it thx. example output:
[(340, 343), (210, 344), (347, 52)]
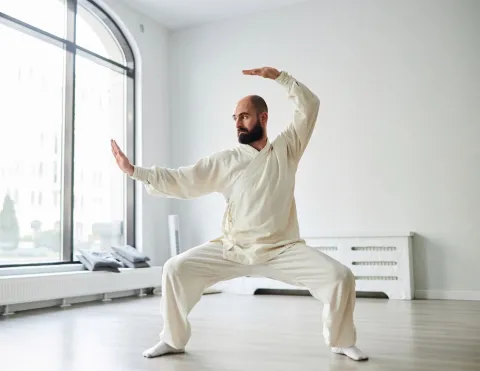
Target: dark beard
[(251, 136)]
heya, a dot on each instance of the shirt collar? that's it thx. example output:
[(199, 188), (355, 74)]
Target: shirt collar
[(254, 152)]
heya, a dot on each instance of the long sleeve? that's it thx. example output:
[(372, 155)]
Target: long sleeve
[(204, 177), (306, 107)]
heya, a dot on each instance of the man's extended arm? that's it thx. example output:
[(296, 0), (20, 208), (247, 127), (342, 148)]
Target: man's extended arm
[(187, 182)]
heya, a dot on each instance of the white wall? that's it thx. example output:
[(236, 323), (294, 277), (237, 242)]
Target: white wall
[(152, 129), (397, 142)]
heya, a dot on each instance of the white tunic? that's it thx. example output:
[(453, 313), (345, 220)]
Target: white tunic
[(260, 219)]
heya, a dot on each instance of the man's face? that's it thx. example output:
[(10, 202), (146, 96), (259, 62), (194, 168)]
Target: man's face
[(248, 123)]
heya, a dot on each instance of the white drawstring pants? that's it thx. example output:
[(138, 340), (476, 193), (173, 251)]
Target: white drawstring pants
[(187, 275)]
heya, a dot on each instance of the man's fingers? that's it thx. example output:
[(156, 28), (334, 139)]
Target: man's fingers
[(116, 155), (120, 157), (116, 148), (251, 72)]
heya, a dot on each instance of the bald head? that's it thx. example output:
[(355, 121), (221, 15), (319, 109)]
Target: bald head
[(254, 104), (258, 103), (251, 115)]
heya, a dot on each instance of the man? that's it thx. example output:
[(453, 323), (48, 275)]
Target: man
[(260, 227)]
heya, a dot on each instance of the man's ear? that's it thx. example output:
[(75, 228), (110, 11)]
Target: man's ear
[(264, 117)]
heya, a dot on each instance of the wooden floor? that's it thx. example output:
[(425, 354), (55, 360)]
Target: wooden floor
[(230, 333)]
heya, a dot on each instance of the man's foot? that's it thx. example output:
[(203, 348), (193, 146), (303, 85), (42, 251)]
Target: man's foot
[(161, 349), (351, 352)]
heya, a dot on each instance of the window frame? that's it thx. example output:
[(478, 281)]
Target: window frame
[(68, 44)]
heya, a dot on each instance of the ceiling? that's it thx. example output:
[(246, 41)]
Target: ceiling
[(176, 14)]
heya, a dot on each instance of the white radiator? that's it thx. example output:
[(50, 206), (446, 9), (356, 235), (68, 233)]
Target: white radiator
[(18, 289), (380, 264)]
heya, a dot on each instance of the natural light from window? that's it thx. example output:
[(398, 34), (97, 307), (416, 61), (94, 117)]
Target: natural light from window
[(32, 95)]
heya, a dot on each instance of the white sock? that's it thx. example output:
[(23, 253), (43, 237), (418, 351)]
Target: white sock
[(352, 352), (161, 349)]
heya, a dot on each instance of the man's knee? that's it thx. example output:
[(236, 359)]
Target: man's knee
[(343, 274), (175, 265)]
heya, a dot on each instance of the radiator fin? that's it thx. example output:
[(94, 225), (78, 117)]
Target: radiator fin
[(327, 248), (377, 263), (377, 278), (374, 248)]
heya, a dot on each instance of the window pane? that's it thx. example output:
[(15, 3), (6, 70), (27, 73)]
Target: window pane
[(99, 186), (48, 15), (31, 92), (93, 35)]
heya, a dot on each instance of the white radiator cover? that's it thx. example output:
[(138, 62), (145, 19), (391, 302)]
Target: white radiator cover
[(17, 289), (380, 264)]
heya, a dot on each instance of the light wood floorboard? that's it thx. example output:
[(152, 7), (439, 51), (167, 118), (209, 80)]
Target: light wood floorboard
[(231, 333)]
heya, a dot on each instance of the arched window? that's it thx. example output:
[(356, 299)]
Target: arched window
[(66, 88)]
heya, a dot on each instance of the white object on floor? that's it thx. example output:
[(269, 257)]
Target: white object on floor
[(212, 290), (174, 234), (380, 263)]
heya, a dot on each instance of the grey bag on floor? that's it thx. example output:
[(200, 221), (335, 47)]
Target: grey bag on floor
[(100, 260), (130, 253)]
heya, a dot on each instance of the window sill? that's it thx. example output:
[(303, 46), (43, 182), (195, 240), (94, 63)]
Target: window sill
[(41, 269)]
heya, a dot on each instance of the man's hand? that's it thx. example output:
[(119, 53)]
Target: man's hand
[(266, 72), (122, 160)]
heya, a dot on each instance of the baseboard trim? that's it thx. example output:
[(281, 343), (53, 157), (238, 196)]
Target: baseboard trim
[(447, 295)]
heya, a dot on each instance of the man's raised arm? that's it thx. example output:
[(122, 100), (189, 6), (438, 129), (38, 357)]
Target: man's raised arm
[(306, 107), (306, 104)]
